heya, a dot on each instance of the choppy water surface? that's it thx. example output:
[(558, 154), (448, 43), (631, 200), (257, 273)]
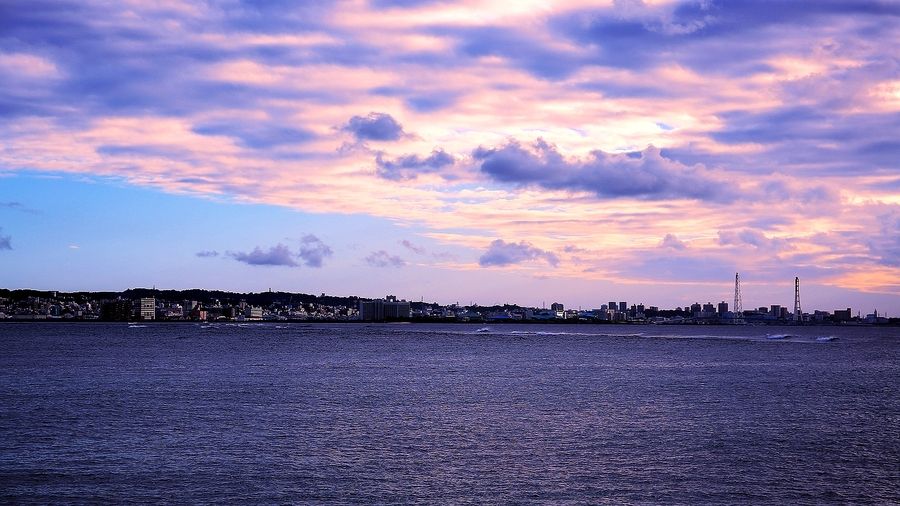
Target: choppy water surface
[(443, 413)]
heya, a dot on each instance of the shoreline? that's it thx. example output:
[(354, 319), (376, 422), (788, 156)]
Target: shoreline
[(443, 322)]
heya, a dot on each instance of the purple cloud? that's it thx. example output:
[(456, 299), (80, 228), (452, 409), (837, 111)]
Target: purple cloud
[(278, 255), (886, 245), (519, 47), (261, 136), (421, 101), (376, 126), (5, 241), (313, 251), (752, 238), (678, 267), (671, 241), (645, 174), (207, 254), (142, 151), (636, 36), (382, 258), (410, 166), (418, 250), (501, 253)]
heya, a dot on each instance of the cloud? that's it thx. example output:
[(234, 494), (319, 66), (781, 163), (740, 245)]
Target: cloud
[(391, 4), (259, 136), (819, 137), (142, 151), (276, 16), (206, 98), (644, 174), (313, 251), (420, 101), (410, 166), (376, 126), (675, 266), (278, 255), (382, 258), (207, 254), (18, 206), (519, 47), (5, 241), (670, 241), (752, 238), (708, 35), (886, 245), (418, 250), (502, 253)]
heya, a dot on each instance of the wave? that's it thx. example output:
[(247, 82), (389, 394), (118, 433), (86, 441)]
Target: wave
[(137, 326), (563, 333)]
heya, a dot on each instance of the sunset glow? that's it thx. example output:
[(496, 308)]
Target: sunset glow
[(640, 151)]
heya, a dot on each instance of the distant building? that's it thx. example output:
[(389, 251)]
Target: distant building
[(117, 310), (820, 316), (874, 318), (841, 315), (198, 313), (556, 306), (253, 313), (147, 308), (623, 307), (696, 309), (396, 309), (371, 310), (187, 306), (723, 308), (544, 314), (775, 311)]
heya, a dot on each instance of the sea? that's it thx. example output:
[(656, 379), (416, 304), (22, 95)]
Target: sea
[(448, 414)]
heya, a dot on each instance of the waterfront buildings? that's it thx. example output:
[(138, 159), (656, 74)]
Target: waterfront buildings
[(388, 308), (199, 305), (371, 310)]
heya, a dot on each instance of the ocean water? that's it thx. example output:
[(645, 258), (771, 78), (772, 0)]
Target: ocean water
[(299, 413)]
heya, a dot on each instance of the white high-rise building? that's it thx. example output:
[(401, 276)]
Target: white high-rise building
[(147, 308)]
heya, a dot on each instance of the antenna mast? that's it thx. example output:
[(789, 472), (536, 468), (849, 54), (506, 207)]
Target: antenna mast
[(738, 310), (798, 315)]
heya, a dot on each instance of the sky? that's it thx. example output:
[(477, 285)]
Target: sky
[(482, 152)]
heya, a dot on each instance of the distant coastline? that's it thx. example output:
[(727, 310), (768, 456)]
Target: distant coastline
[(894, 322), (216, 306)]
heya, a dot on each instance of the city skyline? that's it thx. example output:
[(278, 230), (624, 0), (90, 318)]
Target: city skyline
[(455, 151), (146, 304), (721, 310)]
